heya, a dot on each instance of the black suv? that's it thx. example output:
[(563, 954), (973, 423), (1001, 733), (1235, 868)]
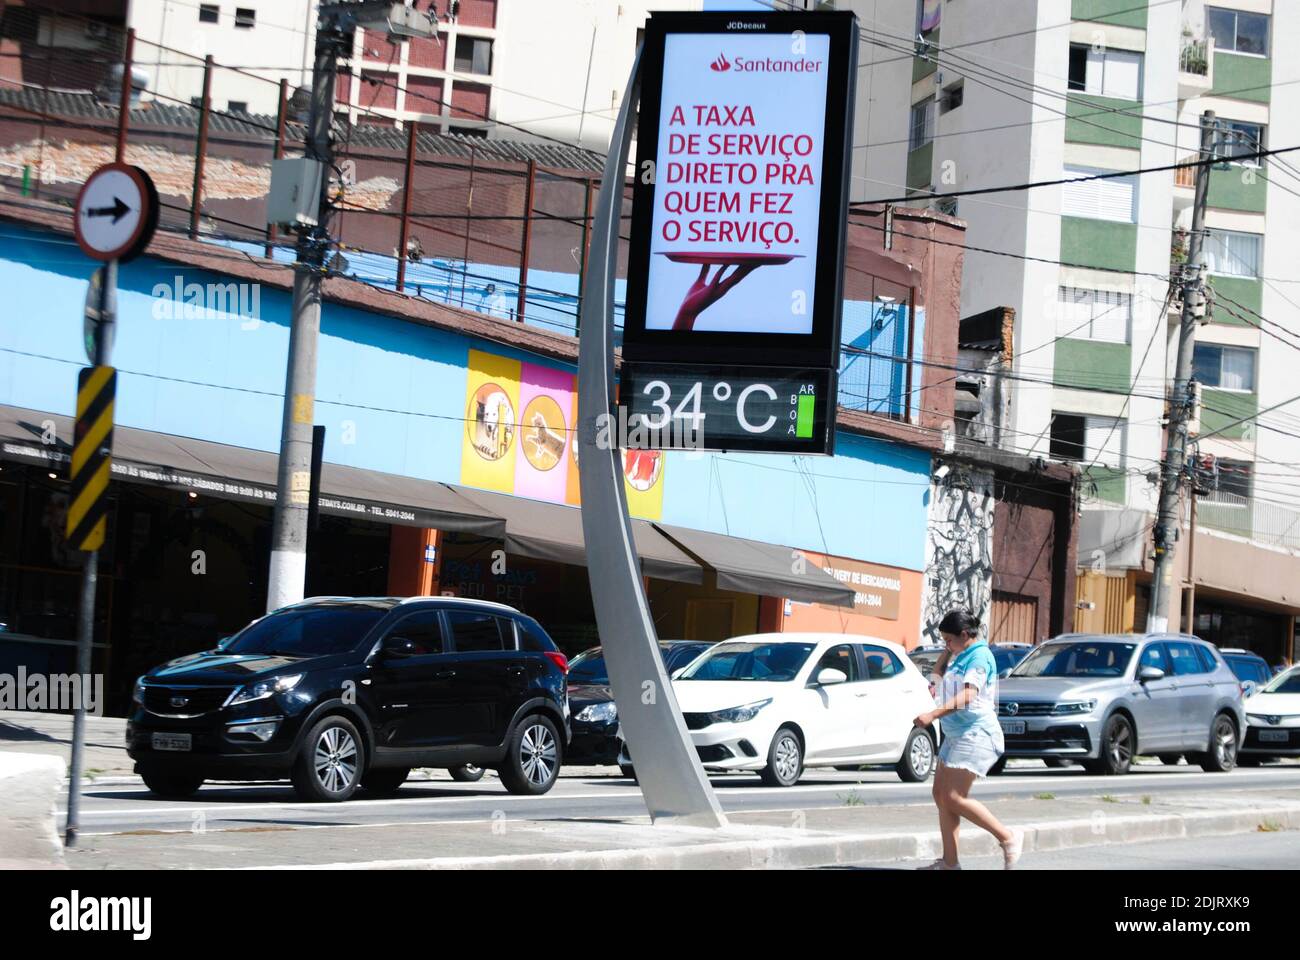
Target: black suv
[(340, 692)]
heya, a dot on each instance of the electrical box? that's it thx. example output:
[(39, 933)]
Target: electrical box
[(294, 200)]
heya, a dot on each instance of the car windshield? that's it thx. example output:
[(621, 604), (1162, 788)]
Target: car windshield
[(308, 631), (750, 661), (1288, 682), (1007, 658), (588, 667), (1083, 658)]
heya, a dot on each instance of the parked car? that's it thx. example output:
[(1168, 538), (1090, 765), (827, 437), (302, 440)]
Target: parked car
[(1273, 720), (1251, 669), (339, 693), (1007, 655), (925, 657), (778, 703), (594, 717), (1102, 699)]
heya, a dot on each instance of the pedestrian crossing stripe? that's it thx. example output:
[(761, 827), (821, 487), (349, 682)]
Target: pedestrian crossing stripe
[(91, 464)]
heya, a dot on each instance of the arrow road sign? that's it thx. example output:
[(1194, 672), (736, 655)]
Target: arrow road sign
[(117, 212)]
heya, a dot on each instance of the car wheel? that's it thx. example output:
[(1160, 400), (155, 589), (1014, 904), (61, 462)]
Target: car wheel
[(917, 762), (1057, 763), (999, 765), (1170, 759), (627, 770), (1222, 755), (385, 781), (1118, 739), (533, 758), (172, 785), (784, 759), (466, 773), (329, 764)]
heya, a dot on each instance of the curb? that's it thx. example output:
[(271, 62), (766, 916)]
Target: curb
[(30, 784), (760, 851)]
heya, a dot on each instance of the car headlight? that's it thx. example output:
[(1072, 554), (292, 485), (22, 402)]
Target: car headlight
[(739, 714), (265, 688), (137, 694), (1074, 707), (597, 713)]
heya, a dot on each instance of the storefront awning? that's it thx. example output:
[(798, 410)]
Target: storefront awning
[(748, 566), (239, 473), (551, 531)]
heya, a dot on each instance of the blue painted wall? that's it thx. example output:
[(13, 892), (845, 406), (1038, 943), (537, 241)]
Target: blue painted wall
[(396, 391)]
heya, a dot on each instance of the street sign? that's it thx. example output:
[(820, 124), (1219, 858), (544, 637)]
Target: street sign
[(92, 448), (116, 212), (740, 208)]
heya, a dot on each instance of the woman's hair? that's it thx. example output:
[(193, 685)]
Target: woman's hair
[(960, 621)]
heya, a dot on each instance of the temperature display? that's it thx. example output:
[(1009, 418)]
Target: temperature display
[(688, 407)]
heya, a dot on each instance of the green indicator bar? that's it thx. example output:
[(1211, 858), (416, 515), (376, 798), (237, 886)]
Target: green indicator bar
[(804, 424)]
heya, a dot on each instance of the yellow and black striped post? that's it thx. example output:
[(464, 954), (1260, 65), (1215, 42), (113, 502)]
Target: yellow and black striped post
[(92, 449)]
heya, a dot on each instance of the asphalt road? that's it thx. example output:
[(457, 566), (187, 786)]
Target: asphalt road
[(115, 808)]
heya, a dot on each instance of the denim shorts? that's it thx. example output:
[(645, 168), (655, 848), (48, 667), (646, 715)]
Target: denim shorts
[(976, 750)]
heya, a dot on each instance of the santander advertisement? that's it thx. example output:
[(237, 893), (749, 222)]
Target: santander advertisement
[(738, 183)]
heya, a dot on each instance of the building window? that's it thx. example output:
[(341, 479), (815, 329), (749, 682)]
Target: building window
[(245, 18), (1088, 440), (480, 132), (1232, 482), (1237, 31), (953, 96), (237, 106), (209, 13), (1241, 139), (1224, 368), (473, 55), (922, 131), (1232, 254), (1106, 73), (1114, 198), (1094, 314)]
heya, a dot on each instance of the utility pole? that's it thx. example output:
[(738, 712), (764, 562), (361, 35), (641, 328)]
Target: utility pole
[(1168, 518), (335, 29)]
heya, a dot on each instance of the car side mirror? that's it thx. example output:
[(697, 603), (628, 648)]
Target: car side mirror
[(829, 676), (1147, 674), (398, 647)]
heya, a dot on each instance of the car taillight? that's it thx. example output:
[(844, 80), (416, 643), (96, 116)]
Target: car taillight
[(559, 659)]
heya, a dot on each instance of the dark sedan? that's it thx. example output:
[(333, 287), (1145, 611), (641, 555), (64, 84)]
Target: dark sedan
[(593, 716)]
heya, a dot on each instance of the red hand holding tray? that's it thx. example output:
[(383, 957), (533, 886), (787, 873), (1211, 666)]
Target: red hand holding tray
[(705, 292)]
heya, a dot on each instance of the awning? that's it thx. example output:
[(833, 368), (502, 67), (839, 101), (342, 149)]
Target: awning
[(239, 473), (551, 531), (748, 566)]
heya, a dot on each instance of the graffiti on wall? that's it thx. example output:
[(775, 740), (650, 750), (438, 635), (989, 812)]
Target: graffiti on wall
[(958, 550)]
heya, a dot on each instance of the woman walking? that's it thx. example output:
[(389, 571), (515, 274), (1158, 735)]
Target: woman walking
[(966, 694)]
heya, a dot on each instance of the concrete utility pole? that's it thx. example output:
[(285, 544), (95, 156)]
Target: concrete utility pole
[(335, 30), (1168, 518)]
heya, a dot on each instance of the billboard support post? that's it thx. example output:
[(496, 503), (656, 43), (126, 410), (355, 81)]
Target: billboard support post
[(672, 781)]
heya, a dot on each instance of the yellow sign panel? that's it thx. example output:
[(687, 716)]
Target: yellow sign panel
[(491, 422)]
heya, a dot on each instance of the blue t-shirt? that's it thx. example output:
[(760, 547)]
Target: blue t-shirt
[(974, 667)]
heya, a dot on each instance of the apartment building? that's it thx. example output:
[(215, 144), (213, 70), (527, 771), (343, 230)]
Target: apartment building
[(967, 94)]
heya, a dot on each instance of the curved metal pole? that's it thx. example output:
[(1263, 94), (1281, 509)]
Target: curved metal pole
[(672, 781)]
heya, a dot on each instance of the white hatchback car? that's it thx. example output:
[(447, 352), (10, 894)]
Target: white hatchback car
[(779, 702)]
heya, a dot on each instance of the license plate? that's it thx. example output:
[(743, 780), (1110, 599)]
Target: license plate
[(171, 741), (1273, 736), (1013, 727)]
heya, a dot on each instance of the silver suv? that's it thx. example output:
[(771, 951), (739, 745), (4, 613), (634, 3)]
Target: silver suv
[(1102, 699)]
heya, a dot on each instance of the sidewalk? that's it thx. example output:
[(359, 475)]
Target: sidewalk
[(779, 839)]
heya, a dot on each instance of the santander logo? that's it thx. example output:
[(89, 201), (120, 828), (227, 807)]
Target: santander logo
[(720, 64), (765, 65)]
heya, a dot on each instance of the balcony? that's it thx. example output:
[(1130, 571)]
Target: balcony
[(1263, 523), (1195, 68)]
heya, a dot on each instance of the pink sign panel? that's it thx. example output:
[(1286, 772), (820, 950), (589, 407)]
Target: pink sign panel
[(545, 423)]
